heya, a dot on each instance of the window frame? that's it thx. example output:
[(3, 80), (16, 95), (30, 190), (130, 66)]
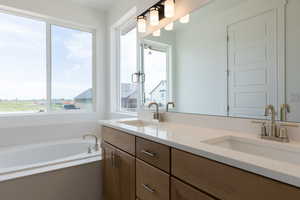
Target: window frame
[(128, 20), (49, 21), (169, 53)]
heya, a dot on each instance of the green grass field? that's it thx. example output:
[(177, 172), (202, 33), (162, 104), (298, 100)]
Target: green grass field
[(20, 106)]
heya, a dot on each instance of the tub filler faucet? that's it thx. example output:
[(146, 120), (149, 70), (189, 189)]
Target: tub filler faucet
[(96, 146)]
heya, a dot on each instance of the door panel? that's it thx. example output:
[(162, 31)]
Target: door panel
[(151, 183), (119, 174), (110, 179), (252, 66)]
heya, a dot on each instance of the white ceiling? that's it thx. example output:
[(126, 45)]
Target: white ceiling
[(96, 4)]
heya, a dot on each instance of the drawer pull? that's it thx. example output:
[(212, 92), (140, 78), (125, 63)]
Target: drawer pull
[(148, 188), (148, 153)]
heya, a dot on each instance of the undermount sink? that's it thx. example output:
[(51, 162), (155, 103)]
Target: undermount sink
[(270, 150), (137, 123)]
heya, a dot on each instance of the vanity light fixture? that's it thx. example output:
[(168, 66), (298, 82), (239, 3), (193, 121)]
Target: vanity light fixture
[(162, 9), (169, 8), (154, 16), (156, 33), (141, 24), (185, 19), (169, 27)]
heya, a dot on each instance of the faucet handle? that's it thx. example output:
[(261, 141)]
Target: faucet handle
[(168, 104)]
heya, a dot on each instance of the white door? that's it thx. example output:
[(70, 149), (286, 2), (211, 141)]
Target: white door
[(252, 66)]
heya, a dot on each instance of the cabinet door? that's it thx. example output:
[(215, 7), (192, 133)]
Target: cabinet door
[(151, 183), (182, 191), (119, 174), (226, 182)]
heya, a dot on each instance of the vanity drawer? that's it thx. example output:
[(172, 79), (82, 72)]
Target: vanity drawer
[(228, 183), (119, 139), (151, 183), (153, 153), (182, 191)]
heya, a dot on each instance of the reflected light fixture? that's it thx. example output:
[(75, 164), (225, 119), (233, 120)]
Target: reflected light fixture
[(169, 8), (162, 9), (154, 16), (169, 27), (156, 33), (185, 19), (141, 23)]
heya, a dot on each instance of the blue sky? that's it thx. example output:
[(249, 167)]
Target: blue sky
[(23, 59), (71, 62)]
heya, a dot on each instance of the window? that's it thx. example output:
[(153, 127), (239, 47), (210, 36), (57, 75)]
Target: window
[(155, 70), (28, 83), (23, 65), (71, 69), (128, 92)]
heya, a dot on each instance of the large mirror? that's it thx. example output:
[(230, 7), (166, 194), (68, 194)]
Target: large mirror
[(232, 58)]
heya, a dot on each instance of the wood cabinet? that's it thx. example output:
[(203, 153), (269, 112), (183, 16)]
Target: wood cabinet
[(119, 174), (139, 169), (226, 182), (153, 153), (182, 191), (151, 183), (119, 139)]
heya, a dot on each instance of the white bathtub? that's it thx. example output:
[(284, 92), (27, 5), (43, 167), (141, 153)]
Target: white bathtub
[(38, 158)]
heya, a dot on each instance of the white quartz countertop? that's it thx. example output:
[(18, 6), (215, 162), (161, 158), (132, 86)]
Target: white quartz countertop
[(191, 139)]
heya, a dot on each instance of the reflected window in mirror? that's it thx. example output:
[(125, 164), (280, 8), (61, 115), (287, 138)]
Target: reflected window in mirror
[(156, 69)]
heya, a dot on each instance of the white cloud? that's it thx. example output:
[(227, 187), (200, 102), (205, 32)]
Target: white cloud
[(79, 45)]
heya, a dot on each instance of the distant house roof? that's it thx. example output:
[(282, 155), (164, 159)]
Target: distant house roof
[(88, 94)]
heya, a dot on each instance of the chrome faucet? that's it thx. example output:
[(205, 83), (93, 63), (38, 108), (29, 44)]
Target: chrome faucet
[(96, 146), (168, 104), (156, 115), (270, 110), (274, 131)]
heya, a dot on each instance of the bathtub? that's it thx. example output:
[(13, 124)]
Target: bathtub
[(27, 160)]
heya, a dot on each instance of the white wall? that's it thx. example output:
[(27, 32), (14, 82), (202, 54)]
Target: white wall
[(201, 64), (20, 129)]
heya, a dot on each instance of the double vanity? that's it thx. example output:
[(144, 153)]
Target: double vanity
[(147, 160)]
